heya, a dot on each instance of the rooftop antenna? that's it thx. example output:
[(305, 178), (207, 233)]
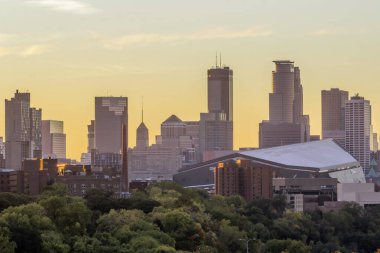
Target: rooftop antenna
[(220, 59), (216, 60), (142, 110)]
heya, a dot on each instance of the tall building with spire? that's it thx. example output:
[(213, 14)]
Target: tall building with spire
[(287, 124), (142, 134)]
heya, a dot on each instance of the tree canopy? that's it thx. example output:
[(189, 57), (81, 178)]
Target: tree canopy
[(167, 218)]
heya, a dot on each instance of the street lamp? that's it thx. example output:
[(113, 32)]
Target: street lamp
[(247, 240)]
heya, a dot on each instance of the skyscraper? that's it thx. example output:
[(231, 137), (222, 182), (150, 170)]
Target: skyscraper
[(281, 101), (142, 136), (358, 129), (298, 97), (111, 113), (287, 124), (53, 139), (216, 126), (91, 136), (215, 132), (333, 119), (21, 130), (220, 91), (35, 132)]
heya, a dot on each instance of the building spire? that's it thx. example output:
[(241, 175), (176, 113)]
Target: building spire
[(216, 60), (142, 109), (220, 59)]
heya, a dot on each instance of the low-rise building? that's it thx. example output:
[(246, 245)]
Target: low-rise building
[(306, 193), (362, 193), (245, 178)]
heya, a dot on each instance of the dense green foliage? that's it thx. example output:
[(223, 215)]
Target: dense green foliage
[(167, 218)]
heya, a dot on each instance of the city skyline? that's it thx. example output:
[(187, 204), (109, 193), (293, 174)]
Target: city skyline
[(168, 65)]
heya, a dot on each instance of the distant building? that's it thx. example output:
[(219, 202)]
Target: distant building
[(35, 132), (358, 129), (281, 101), (287, 124), (2, 153), (11, 181), (110, 115), (79, 180), (282, 133), (315, 137), (216, 132), (22, 132), (374, 143), (91, 137), (306, 193), (333, 114), (363, 194), (177, 146), (245, 178), (216, 126), (85, 159), (53, 139), (220, 91), (142, 136)]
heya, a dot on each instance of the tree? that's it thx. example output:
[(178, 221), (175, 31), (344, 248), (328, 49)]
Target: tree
[(70, 214), (30, 228)]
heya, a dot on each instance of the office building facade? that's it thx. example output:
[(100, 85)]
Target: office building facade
[(22, 130), (358, 129), (111, 113), (333, 114), (287, 124), (53, 139)]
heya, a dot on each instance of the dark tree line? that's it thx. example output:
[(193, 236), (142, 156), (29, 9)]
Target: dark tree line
[(167, 218)]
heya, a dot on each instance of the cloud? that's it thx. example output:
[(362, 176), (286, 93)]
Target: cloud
[(208, 34), (25, 51), (34, 50), (6, 51), (322, 32), (4, 37), (70, 6)]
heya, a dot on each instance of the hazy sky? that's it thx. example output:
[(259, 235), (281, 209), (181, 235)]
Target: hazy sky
[(66, 52)]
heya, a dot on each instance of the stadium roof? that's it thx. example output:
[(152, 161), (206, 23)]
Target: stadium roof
[(323, 155)]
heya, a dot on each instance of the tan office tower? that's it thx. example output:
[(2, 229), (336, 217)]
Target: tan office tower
[(22, 130), (53, 139), (358, 129), (298, 97), (287, 124), (333, 110), (111, 113), (282, 99)]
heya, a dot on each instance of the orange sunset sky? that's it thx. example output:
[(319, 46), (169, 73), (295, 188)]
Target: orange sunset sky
[(67, 52)]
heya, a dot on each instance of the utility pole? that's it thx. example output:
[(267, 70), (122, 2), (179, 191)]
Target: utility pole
[(247, 242)]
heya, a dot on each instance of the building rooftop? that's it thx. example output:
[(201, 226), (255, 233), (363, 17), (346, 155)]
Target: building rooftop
[(324, 155), (283, 62), (172, 119)]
